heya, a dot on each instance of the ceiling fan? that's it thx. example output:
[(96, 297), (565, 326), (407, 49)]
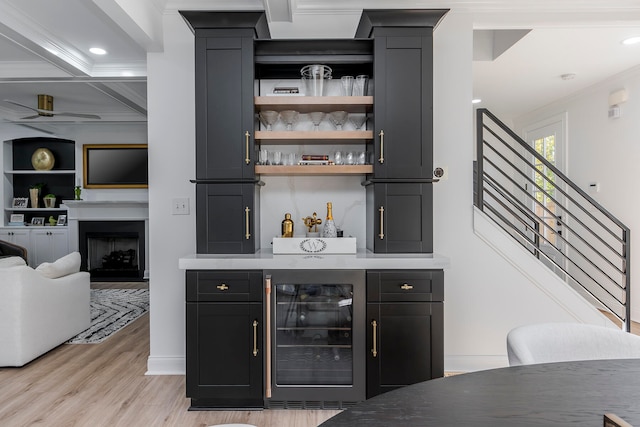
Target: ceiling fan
[(45, 109)]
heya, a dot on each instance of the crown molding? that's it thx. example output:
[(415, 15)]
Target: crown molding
[(24, 31)]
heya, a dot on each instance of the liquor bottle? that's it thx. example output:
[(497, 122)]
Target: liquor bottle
[(329, 229), (287, 226)]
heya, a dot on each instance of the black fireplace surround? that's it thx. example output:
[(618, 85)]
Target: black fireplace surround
[(122, 253)]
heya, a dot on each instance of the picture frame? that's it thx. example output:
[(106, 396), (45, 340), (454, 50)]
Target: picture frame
[(37, 220), (62, 220), (17, 217), (20, 202)]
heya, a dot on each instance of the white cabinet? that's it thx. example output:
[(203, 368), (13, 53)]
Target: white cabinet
[(44, 244), (48, 244), (16, 236)]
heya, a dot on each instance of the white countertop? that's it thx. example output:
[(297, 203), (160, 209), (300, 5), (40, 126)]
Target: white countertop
[(264, 259)]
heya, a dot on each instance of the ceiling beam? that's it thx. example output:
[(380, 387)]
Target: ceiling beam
[(279, 10)]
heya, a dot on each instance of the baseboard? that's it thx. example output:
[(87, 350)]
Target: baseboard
[(468, 363), (165, 365)]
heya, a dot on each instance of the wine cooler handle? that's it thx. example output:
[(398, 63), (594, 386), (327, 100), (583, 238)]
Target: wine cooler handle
[(255, 338), (381, 158), (381, 210), (267, 347), (247, 160), (247, 235), (374, 350)]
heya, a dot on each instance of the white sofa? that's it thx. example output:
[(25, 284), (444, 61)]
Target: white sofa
[(38, 313)]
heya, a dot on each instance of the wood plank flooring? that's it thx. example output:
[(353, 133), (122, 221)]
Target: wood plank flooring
[(104, 385)]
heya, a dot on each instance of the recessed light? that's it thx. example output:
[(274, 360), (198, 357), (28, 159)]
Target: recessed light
[(476, 101), (631, 40), (98, 51), (568, 76)]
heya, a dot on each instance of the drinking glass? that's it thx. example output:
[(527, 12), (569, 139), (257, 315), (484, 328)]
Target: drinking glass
[(316, 118), (289, 117), (346, 87), (264, 157), (358, 120), (338, 118), (268, 118), (360, 85), (362, 158), (350, 158), (277, 158), (337, 158)]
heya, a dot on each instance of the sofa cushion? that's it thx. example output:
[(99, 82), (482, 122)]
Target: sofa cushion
[(68, 264), (11, 261)]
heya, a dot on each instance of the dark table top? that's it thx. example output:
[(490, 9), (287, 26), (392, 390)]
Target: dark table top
[(550, 394)]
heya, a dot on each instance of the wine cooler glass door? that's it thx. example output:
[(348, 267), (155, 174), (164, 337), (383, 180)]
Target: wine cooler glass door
[(318, 335), (314, 334)]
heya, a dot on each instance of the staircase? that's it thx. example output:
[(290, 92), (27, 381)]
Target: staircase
[(557, 223)]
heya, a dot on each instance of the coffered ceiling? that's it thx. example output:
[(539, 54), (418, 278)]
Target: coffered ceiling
[(44, 48)]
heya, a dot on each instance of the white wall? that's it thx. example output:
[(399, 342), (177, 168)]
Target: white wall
[(606, 151), (485, 295)]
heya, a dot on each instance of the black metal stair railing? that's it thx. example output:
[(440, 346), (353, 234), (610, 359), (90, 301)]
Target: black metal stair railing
[(569, 232)]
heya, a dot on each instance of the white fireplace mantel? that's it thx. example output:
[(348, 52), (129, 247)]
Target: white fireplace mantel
[(106, 210)]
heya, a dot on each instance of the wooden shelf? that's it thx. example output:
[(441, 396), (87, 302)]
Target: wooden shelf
[(294, 136), (314, 170), (307, 104)]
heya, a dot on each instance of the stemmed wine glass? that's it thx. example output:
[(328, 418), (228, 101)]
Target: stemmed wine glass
[(268, 118), (358, 120), (338, 118), (289, 117), (316, 118)]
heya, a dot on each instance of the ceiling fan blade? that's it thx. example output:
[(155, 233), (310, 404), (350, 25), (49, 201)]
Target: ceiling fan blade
[(30, 117), (21, 105), (84, 116)]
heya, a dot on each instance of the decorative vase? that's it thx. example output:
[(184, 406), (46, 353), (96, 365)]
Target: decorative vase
[(33, 194), (42, 159), (77, 192), (49, 202)]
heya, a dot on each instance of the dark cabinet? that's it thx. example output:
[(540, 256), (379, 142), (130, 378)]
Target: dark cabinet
[(224, 104), (405, 331), (400, 218), (224, 350), (226, 213), (399, 200), (403, 103), (226, 218)]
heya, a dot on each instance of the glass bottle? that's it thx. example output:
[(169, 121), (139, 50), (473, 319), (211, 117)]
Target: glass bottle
[(329, 229), (287, 226)]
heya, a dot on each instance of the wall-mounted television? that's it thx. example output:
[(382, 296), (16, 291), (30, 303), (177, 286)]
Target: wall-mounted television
[(115, 165)]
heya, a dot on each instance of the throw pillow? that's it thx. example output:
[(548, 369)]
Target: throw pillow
[(11, 261), (68, 264)]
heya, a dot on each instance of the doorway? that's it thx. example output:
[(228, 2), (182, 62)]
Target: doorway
[(548, 138)]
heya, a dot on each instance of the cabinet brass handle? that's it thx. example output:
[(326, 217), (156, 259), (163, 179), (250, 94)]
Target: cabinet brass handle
[(222, 287), (406, 287), (381, 158), (247, 160), (374, 350), (267, 344), (247, 235), (381, 210), (255, 338)]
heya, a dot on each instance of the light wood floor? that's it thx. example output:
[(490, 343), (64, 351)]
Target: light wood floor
[(104, 385)]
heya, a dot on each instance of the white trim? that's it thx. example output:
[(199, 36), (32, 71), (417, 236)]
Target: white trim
[(157, 365)]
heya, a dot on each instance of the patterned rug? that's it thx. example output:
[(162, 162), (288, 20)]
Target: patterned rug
[(112, 310)]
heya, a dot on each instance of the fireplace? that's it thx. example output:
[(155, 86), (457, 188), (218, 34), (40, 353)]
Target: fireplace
[(112, 250)]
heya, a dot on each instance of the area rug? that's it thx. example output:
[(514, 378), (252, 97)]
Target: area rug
[(112, 310)]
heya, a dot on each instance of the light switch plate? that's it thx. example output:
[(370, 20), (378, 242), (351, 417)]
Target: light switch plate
[(180, 206)]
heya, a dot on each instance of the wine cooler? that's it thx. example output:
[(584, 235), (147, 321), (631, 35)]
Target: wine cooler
[(314, 343)]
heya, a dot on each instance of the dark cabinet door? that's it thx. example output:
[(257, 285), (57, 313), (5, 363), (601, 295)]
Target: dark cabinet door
[(224, 107), (400, 218), (404, 343), (403, 103), (224, 355), (226, 218)]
